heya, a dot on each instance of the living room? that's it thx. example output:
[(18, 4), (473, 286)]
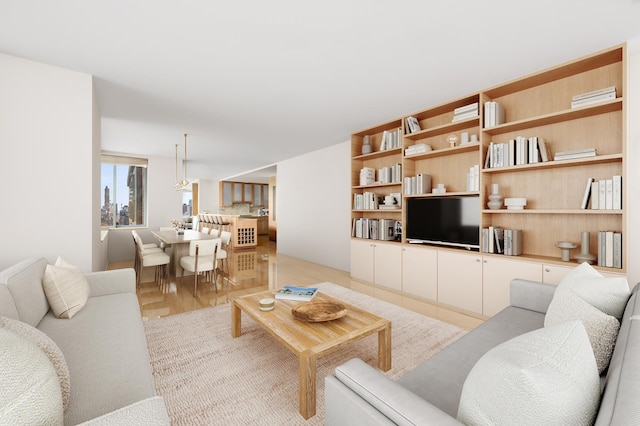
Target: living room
[(53, 132)]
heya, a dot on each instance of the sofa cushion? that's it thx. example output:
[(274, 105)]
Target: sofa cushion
[(608, 294), (48, 346), (602, 329), (30, 386), (106, 351), (66, 288), (24, 281), (547, 376)]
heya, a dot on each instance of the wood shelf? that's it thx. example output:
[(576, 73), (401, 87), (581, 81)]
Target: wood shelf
[(555, 211), (469, 147), (444, 129), (598, 159), (377, 185), (446, 194), (378, 154)]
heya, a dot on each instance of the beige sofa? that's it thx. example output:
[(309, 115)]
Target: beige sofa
[(103, 344)]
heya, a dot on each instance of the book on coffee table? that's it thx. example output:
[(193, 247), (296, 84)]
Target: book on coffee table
[(290, 292)]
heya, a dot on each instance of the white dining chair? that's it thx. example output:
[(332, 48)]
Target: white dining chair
[(202, 258), (151, 256)]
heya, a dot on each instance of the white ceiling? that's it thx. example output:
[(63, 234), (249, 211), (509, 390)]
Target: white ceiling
[(256, 82)]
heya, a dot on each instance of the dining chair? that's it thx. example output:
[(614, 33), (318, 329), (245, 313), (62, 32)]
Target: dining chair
[(150, 257), (223, 253), (206, 230), (202, 258), (214, 232)]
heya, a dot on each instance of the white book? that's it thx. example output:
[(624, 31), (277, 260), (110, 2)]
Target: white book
[(466, 108), (595, 195), (545, 152), (602, 197), (608, 254), (617, 250), (592, 100), (594, 93), (617, 192), (608, 194)]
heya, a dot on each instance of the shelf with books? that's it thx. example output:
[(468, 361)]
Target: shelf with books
[(443, 118), (557, 117), (599, 159), (445, 194), (378, 154), (458, 149), (554, 211), (444, 129)]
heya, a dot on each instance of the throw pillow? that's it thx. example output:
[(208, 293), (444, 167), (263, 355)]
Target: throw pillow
[(609, 294), (30, 387), (66, 288), (547, 376), (50, 349), (602, 329)]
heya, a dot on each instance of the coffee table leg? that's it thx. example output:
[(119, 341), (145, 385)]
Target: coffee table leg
[(308, 384), (384, 348), (236, 320)]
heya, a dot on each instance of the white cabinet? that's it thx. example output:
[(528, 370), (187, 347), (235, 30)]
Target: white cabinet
[(377, 262), (460, 280), (497, 274), (420, 272), (553, 274)]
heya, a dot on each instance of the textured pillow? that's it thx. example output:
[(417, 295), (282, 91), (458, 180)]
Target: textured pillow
[(608, 294), (30, 388), (547, 376), (602, 329), (66, 288), (50, 349)]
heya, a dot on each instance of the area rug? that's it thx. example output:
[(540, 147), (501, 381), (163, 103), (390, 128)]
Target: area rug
[(209, 378)]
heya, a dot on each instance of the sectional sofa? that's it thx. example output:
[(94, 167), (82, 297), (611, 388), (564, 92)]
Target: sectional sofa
[(99, 356), (506, 372)]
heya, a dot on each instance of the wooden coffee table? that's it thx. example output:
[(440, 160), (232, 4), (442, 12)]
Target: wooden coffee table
[(309, 341)]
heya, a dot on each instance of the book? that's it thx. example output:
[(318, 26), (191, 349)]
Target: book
[(290, 292), (617, 250), (617, 192), (594, 93), (413, 125), (595, 195), (545, 152), (587, 194)]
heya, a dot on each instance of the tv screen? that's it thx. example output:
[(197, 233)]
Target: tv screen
[(450, 221)]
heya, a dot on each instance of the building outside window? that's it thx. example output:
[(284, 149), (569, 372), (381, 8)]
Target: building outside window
[(124, 184)]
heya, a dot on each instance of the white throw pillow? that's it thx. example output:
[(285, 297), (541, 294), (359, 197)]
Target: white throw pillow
[(602, 329), (30, 388), (66, 288), (608, 294), (547, 376), (50, 349)]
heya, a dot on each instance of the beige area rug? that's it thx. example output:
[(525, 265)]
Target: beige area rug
[(209, 378)]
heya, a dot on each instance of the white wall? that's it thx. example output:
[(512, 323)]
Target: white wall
[(632, 192), (208, 195), (46, 166), (312, 203)]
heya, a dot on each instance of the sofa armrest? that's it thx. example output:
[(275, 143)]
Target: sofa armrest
[(150, 411), (112, 282), (531, 295), (397, 403)]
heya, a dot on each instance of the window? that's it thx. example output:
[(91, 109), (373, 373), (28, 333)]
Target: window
[(124, 182)]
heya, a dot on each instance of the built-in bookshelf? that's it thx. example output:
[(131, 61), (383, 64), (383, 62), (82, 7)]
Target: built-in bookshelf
[(576, 109)]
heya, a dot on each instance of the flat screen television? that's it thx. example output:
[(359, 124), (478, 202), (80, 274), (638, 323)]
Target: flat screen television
[(448, 221)]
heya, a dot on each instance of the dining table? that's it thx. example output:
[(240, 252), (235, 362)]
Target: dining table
[(179, 245)]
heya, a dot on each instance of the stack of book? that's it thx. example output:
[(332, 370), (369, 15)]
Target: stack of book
[(391, 139), (413, 125), (493, 114), (418, 148), (365, 201), (367, 176), (605, 194), (576, 153), (465, 112), (418, 184), (496, 239), (518, 151), (593, 97), (390, 174), (374, 229), (610, 249)]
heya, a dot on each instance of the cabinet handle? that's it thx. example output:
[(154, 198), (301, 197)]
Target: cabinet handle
[(485, 261), (547, 270), (477, 260)]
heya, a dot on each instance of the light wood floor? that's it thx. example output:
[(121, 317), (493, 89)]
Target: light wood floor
[(262, 269)]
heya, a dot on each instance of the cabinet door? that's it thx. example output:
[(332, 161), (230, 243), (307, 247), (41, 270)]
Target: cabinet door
[(265, 195), (460, 280), (237, 192), (362, 260), (257, 195), (387, 268), (420, 272), (248, 193), (553, 274), (496, 278), (227, 198)]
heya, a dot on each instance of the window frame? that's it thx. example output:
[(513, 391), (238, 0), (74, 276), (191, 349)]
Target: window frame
[(115, 161)]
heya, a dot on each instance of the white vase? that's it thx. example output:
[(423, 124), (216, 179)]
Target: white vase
[(495, 199)]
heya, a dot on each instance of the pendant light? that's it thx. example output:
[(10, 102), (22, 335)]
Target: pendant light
[(180, 185)]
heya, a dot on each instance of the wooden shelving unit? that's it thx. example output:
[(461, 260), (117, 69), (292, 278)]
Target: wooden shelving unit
[(535, 105)]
